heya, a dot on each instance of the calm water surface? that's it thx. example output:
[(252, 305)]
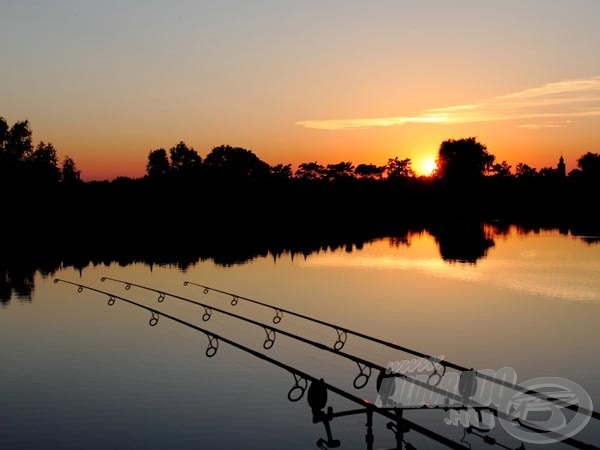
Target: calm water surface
[(79, 374)]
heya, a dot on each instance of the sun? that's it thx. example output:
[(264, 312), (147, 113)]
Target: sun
[(428, 166)]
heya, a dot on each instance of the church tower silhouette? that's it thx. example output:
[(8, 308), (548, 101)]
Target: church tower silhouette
[(561, 168)]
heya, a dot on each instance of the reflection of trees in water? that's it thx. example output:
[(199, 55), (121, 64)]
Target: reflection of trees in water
[(589, 234), (462, 242), (591, 239), (17, 276), (17, 280)]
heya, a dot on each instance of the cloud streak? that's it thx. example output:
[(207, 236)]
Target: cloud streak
[(539, 126), (567, 99)]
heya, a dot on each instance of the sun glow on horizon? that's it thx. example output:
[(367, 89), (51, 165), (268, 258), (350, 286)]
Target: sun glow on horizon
[(427, 166)]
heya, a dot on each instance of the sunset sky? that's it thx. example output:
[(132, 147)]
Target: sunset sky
[(294, 81)]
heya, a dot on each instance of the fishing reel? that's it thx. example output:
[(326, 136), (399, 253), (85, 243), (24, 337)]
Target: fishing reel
[(317, 399)]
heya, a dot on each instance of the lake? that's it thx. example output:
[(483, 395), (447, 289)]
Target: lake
[(80, 374)]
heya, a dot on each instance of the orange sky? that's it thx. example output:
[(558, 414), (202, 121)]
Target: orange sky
[(297, 81)]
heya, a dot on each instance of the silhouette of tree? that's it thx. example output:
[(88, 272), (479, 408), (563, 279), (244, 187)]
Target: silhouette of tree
[(590, 165), (5, 162), (20, 163), (501, 170), (369, 171), (463, 161), (69, 173), (124, 182), (19, 144), (158, 163), (281, 172), (548, 172), (399, 168), (43, 164), (524, 171), (3, 135), (235, 163), (340, 171), (310, 171), (184, 160)]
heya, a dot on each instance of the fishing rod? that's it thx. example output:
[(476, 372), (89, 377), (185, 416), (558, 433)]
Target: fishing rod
[(364, 373), (343, 332), (365, 367), (301, 378)]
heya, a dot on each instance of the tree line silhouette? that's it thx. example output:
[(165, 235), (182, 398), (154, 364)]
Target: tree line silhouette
[(185, 201), (23, 165), (463, 161), (459, 162)]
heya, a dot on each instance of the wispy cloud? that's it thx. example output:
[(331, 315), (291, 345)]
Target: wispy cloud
[(560, 100), (539, 126)]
